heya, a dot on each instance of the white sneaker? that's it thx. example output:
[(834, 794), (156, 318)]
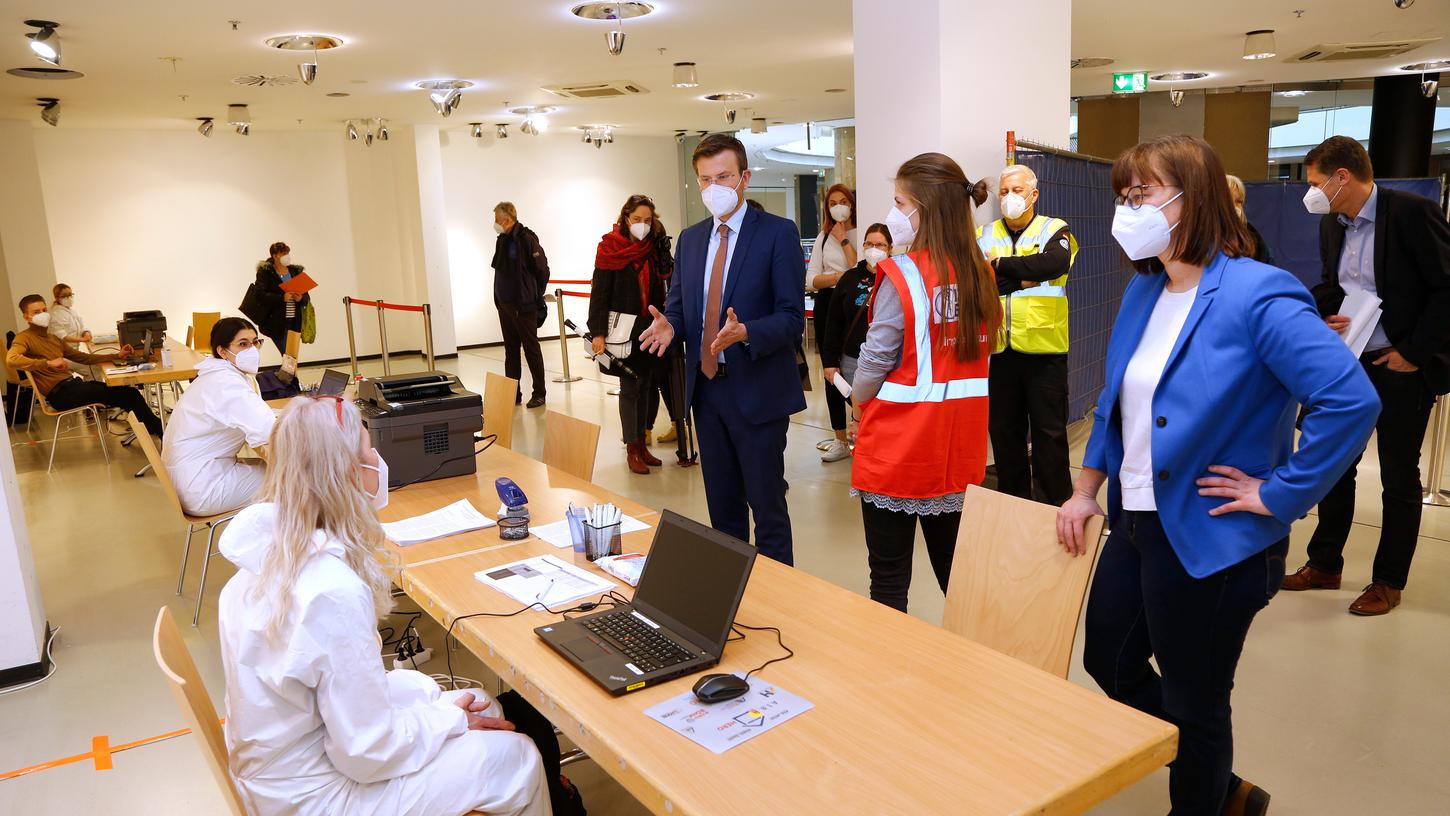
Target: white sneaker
[(835, 452)]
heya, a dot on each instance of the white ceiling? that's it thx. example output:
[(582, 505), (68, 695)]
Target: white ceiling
[(787, 52)]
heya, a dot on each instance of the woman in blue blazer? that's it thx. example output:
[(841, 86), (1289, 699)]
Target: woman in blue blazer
[(1194, 433)]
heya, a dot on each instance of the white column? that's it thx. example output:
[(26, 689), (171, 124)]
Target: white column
[(954, 76), (433, 230), (22, 637), (24, 233)]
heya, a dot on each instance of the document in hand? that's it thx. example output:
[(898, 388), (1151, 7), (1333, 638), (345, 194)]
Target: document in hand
[(458, 517), (1363, 311), (299, 284), (841, 385)]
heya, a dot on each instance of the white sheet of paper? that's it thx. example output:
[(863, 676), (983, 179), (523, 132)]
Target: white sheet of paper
[(544, 579), (722, 726), (458, 517), (557, 533), (1363, 311), (841, 385)]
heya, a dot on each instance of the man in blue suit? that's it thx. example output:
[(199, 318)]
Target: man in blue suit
[(738, 306)]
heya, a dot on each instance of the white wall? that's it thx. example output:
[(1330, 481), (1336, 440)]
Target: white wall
[(25, 256), (172, 221), (566, 191)]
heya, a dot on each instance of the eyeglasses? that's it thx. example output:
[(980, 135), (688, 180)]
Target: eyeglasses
[(245, 344), (1137, 195), (724, 179), (335, 398)]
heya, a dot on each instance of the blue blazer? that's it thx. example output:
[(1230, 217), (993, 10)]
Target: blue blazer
[(1252, 349), (765, 287)]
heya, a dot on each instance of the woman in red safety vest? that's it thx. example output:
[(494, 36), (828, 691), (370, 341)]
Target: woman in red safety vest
[(921, 382)]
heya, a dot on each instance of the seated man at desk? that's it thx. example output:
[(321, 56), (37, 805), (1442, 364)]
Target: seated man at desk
[(219, 413), (48, 360)]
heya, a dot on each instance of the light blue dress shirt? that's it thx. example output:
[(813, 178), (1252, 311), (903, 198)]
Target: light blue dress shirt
[(1356, 260), (734, 223)]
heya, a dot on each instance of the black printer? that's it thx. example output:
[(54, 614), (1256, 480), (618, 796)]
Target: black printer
[(132, 327), (422, 424)]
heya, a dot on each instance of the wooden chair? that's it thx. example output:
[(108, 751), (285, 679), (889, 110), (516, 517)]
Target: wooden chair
[(91, 412), (199, 334), (570, 444), (498, 408), (176, 664), (148, 446), (1013, 588)]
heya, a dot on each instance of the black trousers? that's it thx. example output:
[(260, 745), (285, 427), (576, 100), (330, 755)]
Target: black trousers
[(835, 403), (521, 331), (1143, 604), (744, 468), (1404, 414), (890, 543), (665, 388), (529, 722), (1029, 400), (73, 393), (634, 397)]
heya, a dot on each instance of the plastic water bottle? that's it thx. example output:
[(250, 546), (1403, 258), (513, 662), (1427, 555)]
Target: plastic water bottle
[(165, 357)]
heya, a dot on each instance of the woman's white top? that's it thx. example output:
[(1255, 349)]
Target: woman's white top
[(828, 257), (64, 322), (1135, 404), (218, 414)]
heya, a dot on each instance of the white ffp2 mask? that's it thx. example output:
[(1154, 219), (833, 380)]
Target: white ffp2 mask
[(640, 230), (40, 320), (1144, 232), (1013, 206), (1317, 203), (874, 256), (841, 212), (721, 200), (380, 496), (248, 360), (899, 224)]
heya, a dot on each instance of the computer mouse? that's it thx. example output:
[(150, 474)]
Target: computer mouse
[(146, 367), (717, 688)]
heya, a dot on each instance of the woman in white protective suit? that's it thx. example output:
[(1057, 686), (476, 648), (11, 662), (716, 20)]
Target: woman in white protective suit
[(315, 725), (219, 413)]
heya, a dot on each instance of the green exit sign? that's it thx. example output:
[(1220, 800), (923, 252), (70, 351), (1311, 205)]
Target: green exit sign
[(1130, 83)]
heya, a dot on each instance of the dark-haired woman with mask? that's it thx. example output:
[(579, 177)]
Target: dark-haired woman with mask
[(845, 325), (218, 414), (833, 255), (282, 310), (631, 267), (921, 381), (1194, 435)]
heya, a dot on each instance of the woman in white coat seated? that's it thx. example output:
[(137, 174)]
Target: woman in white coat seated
[(315, 725), (218, 414)]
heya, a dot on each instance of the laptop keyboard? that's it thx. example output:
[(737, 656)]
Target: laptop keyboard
[(645, 647)]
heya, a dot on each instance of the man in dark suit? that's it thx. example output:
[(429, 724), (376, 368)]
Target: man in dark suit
[(738, 306), (1396, 246)]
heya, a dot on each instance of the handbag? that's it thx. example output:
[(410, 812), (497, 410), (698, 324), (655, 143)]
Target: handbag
[(309, 323), (619, 337), (254, 306)]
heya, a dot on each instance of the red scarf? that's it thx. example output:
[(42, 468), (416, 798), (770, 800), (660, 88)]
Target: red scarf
[(618, 251)]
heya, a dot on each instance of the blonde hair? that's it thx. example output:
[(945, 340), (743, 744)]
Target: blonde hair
[(507, 208), (1029, 177), (312, 478)]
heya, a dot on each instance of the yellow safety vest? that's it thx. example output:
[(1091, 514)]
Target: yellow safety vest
[(1034, 321)]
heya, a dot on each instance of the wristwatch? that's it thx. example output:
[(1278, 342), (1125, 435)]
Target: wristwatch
[(845, 242)]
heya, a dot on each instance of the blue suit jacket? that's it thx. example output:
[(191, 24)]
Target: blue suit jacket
[(764, 286), (1253, 347)]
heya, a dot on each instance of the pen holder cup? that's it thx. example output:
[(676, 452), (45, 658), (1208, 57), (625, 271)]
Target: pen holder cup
[(602, 541)]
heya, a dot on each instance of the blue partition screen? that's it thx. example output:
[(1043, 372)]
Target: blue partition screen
[(1077, 190)]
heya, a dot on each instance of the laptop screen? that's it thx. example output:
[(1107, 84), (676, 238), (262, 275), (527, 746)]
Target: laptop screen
[(693, 580), (333, 382)]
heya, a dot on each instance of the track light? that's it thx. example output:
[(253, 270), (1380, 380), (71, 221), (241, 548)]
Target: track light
[(1176, 97), (527, 128), (368, 138), (1259, 44), (49, 110), (446, 101), (45, 43), (352, 133), (597, 135), (685, 76), (729, 116), (382, 130), (615, 41), (206, 125), (244, 129), (308, 72), (477, 129), (238, 115), (1429, 87), (501, 131), (679, 137)]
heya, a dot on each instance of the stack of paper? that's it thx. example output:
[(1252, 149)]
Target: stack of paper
[(1363, 311), (557, 533), (458, 517), (544, 579)]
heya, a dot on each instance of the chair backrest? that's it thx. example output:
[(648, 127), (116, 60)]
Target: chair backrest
[(153, 456), (39, 397), (201, 325), (498, 407), (176, 664), (570, 444), (1013, 588)]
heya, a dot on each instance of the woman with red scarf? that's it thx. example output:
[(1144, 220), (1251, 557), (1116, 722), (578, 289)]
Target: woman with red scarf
[(631, 266)]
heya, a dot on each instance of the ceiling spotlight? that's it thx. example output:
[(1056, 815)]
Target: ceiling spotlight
[(306, 42), (368, 138), (598, 135), (49, 110), (477, 129), (615, 40), (45, 42), (244, 129), (528, 128), (1404, 4), (206, 125), (679, 137), (308, 72), (501, 131), (1430, 87), (729, 116), (617, 11), (1178, 76), (685, 76), (446, 94), (382, 130), (1176, 97), (757, 125), (1259, 44), (352, 133)]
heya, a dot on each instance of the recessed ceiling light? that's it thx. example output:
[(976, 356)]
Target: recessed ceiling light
[(338, 94), (45, 73), (264, 80), (305, 42), (1091, 62), (685, 76), (729, 96), (443, 84), (1292, 93), (623, 10), (835, 90), (1259, 44), (533, 110), (1179, 76), (1435, 65)]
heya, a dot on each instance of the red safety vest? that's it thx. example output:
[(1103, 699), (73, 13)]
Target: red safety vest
[(925, 433)]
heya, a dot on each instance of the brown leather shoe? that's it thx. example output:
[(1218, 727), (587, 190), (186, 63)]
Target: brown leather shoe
[(1246, 800), (635, 461), (1310, 578), (649, 458), (1378, 599)]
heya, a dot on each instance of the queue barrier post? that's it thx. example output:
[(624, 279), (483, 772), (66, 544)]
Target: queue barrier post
[(381, 305), (1439, 430), (383, 338), (351, 338), (563, 339), (428, 334)]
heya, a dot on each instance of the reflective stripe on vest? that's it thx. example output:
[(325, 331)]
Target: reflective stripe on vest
[(924, 389)]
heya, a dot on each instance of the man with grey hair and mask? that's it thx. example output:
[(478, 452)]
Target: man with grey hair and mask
[(1031, 255)]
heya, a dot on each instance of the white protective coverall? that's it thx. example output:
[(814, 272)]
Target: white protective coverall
[(218, 414), (315, 725)]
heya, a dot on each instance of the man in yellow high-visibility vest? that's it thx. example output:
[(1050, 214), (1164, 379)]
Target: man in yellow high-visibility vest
[(1031, 254)]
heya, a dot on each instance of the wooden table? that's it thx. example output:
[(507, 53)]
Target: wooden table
[(184, 361), (908, 718)]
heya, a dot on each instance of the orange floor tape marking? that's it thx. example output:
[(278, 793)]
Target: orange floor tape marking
[(101, 753)]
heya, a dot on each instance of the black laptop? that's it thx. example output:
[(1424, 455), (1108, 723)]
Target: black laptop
[(680, 619), (333, 383)]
